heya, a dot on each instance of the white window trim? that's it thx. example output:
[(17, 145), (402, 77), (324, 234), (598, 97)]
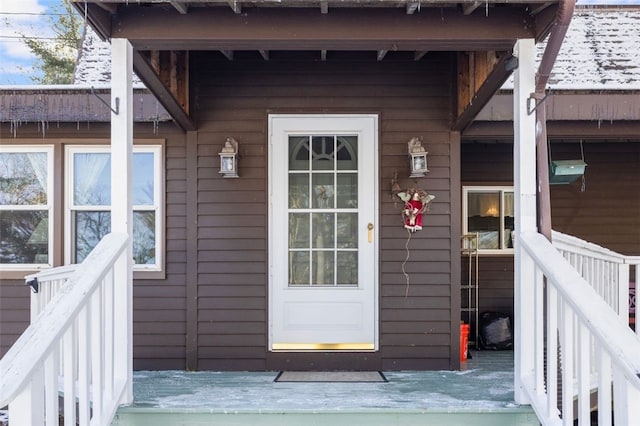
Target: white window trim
[(48, 149), (158, 196), (465, 212)]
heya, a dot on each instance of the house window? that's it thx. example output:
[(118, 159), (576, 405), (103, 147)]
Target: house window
[(88, 217), (488, 211), (26, 212)]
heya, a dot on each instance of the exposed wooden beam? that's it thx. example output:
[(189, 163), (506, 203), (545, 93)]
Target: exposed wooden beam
[(419, 54), (495, 78), (162, 91), (540, 8), (235, 5), (469, 8), (382, 54), (323, 55), (342, 29), (109, 7), (264, 54), (324, 7), (228, 54), (99, 17), (412, 7), (180, 7)]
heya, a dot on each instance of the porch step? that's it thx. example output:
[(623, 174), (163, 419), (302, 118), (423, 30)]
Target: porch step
[(516, 416), (480, 394)]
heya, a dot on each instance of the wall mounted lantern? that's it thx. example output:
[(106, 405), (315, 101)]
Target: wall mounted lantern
[(418, 158), (229, 159)]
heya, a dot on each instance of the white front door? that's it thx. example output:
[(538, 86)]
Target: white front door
[(323, 189)]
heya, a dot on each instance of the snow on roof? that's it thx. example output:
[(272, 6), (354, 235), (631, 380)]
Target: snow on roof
[(94, 63), (601, 51)]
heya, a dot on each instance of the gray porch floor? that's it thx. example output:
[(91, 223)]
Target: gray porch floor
[(485, 385)]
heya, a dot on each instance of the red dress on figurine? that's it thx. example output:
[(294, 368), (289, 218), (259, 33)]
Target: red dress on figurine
[(413, 213)]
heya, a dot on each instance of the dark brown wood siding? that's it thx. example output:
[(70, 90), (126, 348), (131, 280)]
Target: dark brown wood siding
[(607, 212), (233, 100), (159, 304)]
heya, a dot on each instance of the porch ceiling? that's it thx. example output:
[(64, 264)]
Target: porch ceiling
[(264, 26)]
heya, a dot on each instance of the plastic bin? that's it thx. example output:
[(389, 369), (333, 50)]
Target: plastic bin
[(464, 341)]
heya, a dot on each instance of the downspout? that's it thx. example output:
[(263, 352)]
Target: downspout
[(558, 31)]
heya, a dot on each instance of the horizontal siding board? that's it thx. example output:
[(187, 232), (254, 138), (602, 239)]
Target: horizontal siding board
[(240, 291), (416, 339), (225, 328)]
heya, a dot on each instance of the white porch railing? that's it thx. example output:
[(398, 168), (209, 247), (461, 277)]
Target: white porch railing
[(606, 271), (578, 329), (48, 283), (75, 350)]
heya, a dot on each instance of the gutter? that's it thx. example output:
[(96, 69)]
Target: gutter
[(558, 32)]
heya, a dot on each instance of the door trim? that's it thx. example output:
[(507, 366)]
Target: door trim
[(303, 122)]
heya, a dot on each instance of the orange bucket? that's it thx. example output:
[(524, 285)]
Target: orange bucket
[(464, 341)]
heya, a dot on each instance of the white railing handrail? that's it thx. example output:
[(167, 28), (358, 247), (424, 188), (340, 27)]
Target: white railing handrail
[(612, 333), (569, 242), (59, 272), (41, 337)]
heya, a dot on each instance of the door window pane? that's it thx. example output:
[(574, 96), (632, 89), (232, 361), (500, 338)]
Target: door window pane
[(298, 152), (299, 230), (347, 268), (299, 268), (347, 196), (347, 153), (322, 149), (323, 230), (323, 267), (347, 228), (322, 191), (299, 191)]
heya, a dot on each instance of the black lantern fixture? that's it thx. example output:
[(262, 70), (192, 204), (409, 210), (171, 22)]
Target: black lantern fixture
[(418, 158), (229, 159)]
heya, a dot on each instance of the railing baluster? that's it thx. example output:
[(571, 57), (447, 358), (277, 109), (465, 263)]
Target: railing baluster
[(539, 331), (567, 354), (107, 285), (97, 344), (604, 388), (84, 361), (69, 344), (552, 351), (583, 374), (51, 387)]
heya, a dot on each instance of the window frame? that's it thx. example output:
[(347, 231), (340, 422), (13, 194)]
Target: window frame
[(158, 201), (49, 206), (501, 189)]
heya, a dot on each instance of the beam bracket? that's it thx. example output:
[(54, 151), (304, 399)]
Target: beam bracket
[(532, 101), (117, 100)]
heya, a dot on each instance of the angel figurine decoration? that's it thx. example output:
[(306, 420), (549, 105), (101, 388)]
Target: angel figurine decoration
[(416, 202)]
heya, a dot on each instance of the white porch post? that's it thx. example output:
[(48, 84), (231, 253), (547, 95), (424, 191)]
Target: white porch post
[(122, 206), (524, 179)]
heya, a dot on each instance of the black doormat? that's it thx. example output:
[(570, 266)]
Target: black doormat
[(331, 377)]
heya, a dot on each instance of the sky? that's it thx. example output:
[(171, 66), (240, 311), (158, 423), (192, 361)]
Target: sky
[(30, 17)]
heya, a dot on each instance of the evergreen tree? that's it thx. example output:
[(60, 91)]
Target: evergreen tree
[(56, 59)]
